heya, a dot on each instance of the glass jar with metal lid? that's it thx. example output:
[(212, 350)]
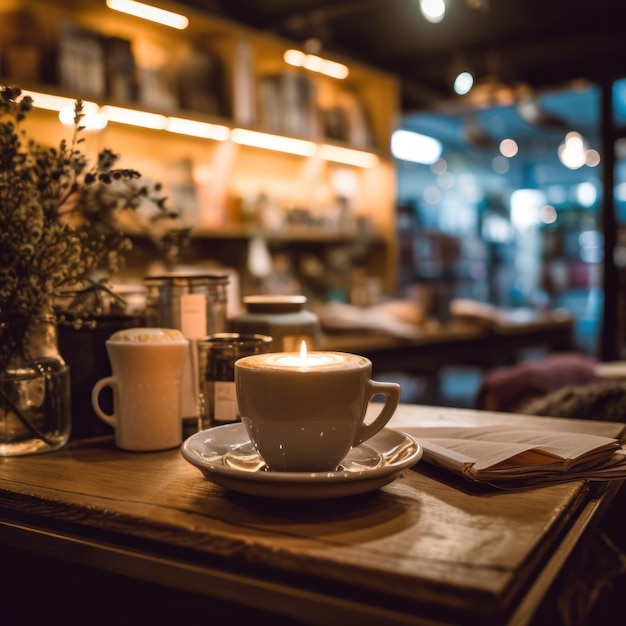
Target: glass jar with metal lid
[(193, 303), (196, 304), (281, 317)]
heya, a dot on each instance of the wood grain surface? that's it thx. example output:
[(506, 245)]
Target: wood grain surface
[(426, 542)]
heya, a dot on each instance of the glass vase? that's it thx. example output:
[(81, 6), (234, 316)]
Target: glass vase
[(35, 413)]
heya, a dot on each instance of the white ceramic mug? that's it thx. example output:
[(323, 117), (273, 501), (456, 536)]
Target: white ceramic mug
[(303, 414), (147, 365)]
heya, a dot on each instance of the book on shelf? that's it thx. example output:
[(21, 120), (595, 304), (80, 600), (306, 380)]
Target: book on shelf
[(244, 93), (335, 123), (82, 63), (201, 82), (287, 104), (269, 104), (156, 76), (182, 191), (21, 47), (121, 71), (345, 118), (509, 457), (358, 124)]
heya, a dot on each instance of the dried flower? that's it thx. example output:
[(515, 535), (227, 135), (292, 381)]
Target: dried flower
[(58, 221)]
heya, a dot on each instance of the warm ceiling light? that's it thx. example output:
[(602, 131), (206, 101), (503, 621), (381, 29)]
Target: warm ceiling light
[(148, 12), (433, 10), (134, 118), (96, 118), (272, 142), (314, 63), (573, 151), (294, 57), (347, 156), (52, 103), (197, 129), (92, 117)]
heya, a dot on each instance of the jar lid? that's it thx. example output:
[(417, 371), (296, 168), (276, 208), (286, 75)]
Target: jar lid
[(236, 339), (274, 304), (185, 278)]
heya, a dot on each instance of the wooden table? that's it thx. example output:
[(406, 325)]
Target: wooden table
[(425, 549)]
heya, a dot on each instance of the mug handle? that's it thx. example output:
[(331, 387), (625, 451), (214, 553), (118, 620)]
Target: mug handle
[(391, 391), (108, 381)]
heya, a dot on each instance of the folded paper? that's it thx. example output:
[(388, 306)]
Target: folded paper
[(509, 457)]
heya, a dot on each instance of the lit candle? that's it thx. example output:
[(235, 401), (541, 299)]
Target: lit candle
[(303, 411), (305, 360)]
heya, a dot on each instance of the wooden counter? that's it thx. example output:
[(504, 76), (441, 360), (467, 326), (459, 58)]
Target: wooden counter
[(458, 342), (423, 549)]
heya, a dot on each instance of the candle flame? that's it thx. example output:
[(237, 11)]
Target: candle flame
[(303, 351)]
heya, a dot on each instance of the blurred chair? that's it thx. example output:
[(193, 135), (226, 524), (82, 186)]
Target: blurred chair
[(594, 401), (511, 388)]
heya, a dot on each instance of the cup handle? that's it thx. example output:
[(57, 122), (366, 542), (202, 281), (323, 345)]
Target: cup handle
[(391, 391), (108, 381)]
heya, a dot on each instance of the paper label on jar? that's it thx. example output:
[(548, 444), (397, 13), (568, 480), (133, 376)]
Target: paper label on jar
[(193, 325), (225, 407), (193, 315)]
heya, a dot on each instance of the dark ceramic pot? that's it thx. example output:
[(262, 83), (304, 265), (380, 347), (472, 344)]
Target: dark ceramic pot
[(84, 350)]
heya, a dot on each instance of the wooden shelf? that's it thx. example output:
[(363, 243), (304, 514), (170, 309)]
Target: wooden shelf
[(222, 174), (291, 234)]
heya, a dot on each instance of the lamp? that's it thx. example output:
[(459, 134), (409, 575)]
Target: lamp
[(573, 151), (433, 10), (463, 82)]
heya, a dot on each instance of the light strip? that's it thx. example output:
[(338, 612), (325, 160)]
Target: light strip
[(217, 132), (197, 129), (56, 103), (148, 12), (134, 118), (314, 63), (347, 156), (92, 118), (272, 142)]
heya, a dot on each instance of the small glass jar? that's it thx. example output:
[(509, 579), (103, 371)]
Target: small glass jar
[(35, 407), (217, 354), (193, 303), (281, 317)]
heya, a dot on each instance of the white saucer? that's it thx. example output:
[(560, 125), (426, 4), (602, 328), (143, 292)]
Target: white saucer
[(225, 455)]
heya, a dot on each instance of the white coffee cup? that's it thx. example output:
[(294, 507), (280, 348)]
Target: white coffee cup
[(304, 413), (147, 365)]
